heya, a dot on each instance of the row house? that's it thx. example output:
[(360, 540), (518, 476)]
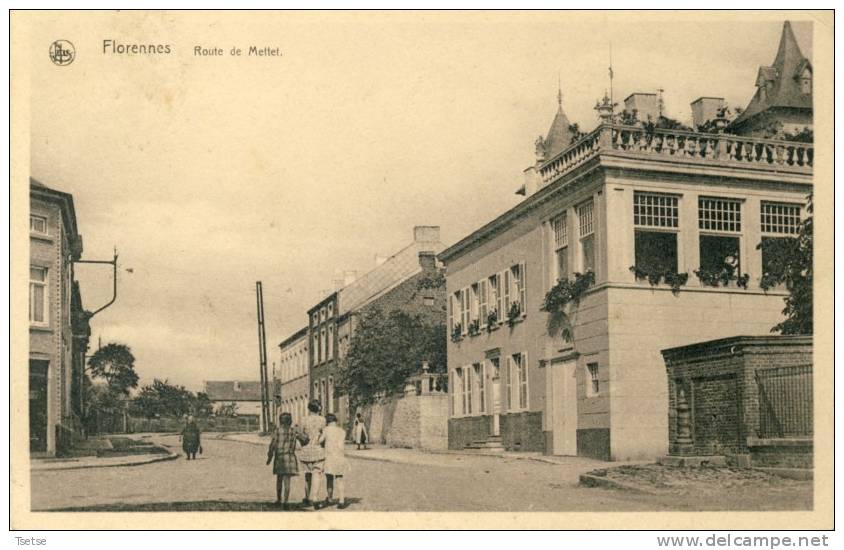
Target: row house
[(392, 284), (292, 375), (58, 325), (658, 229)]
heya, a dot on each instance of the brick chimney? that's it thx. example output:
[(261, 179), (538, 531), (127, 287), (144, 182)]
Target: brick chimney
[(426, 234), (705, 109), (428, 260)]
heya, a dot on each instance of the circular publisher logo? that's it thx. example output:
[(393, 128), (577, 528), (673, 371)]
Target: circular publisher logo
[(62, 52)]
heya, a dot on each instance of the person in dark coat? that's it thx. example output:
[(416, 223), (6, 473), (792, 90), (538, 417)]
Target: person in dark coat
[(190, 438), (282, 449)]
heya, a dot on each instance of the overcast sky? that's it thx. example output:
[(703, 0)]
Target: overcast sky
[(210, 173)]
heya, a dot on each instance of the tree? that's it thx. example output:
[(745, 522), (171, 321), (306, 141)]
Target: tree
[(202, 405), (227, 409), (791, 264), (164, 399), (386, 350), (116, 365)]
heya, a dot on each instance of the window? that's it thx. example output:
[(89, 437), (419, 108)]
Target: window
[(460, 392), (330, 346), (780, 218), (467, 390), (331, 309), (593, 386), (464, 310), (316, 390), (38, 224), (721, 215), (38, 306), (561, 245), (518, 378), (474, 303), (780, 227), (806, 82), (480, 396), (655, 221), (515, 294), (315, 347), (493, 284), (720, 253), (323, 342), (322, 313), (587, 236), (482, 302), (329, 402), (508, 377), (450, 308), (506, 283), (428, 300)]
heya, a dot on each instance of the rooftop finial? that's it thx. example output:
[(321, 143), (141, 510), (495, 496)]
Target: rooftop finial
[(559, 91)]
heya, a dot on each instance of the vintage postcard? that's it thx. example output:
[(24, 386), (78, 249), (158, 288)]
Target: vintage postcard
[(412, 269)]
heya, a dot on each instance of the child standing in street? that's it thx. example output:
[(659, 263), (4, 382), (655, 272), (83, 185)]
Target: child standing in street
[(359, 431), (336, 465), (282, 448)]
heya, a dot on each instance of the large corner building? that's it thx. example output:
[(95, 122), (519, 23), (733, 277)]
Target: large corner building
[(619, 201)]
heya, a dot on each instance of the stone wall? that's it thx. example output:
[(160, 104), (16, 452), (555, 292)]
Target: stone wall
[(410, 421)]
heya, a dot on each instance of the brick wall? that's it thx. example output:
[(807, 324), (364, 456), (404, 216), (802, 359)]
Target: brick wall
[(522, 431), (465, 430), (719, 380)]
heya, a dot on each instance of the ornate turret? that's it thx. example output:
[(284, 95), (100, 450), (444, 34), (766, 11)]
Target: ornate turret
[(783, 92), (558, 136)]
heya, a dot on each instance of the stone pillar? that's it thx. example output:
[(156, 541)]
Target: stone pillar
[(684, 442)]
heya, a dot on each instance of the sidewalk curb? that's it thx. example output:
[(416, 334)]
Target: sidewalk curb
[(159, 458), (540, 459)]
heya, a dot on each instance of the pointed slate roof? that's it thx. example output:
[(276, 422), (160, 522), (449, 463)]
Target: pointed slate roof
[(558, 136), (779, 84)]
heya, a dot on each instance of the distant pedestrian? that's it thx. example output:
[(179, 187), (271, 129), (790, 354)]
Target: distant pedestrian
[(282, 448), (359, 431), (312, 455), (336, 464), (190, 438)]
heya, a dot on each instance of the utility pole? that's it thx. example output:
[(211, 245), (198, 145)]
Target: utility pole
[(262, 358)]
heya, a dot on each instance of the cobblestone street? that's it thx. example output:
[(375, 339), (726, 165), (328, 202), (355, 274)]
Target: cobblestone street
[(232, 475)]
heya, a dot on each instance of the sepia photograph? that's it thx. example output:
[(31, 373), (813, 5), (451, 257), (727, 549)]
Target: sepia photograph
[(330, 267)]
